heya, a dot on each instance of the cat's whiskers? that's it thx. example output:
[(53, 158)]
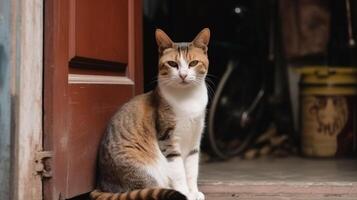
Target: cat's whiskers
[(153, 80), (211, 75), (208, 85), (166, 81), (208, 79), (210, 90)]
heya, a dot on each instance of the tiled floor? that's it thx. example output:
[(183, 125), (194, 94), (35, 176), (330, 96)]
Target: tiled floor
[(284, 178)]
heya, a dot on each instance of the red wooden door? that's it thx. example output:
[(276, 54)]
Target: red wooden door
[(93, 64)]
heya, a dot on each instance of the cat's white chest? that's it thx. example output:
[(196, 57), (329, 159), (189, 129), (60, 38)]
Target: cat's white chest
[(189, 124), (189, 109), (189, 131)]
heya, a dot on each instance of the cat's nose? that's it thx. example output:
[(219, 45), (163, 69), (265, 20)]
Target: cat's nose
[(183, 76)]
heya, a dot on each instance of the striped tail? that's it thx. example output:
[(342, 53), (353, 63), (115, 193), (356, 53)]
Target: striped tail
[(144, 194)]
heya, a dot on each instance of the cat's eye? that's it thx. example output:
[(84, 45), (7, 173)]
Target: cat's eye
[(193, 63), (172, 64)]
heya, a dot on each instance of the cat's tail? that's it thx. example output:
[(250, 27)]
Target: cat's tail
[(144, 194)]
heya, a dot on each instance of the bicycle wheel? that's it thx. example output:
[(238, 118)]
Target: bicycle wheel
[(236, 110)]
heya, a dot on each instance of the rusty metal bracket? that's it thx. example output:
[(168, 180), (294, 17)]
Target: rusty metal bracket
[(40, 166)]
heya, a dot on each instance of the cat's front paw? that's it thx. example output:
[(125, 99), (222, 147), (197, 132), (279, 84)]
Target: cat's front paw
[(196, 196)]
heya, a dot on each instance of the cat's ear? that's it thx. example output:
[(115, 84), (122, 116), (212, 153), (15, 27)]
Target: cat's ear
[(202, 39), (163, 40)]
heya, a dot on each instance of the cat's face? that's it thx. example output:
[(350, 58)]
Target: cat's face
[(182, 65)]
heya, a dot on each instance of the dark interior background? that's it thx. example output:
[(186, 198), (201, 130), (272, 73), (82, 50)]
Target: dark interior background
[(237, 28), (251, 33), (240, 31)]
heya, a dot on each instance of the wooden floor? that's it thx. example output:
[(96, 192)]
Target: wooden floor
[(278, 179)]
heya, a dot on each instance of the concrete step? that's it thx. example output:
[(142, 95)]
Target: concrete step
[(280, 179), (265, 191)]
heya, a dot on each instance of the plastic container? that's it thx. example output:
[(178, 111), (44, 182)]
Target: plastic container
[(328, 111)]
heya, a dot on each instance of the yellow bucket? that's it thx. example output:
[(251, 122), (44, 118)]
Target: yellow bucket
[(328, 111)]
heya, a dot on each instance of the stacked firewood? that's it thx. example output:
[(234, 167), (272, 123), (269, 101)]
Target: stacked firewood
[(271, 142)]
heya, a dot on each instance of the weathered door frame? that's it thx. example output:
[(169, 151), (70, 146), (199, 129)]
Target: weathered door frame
[(24, 72)]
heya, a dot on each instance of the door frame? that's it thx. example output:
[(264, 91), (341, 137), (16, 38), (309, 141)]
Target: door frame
[(25, 87)]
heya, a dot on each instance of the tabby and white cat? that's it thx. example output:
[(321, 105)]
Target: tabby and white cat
[(151, 147)]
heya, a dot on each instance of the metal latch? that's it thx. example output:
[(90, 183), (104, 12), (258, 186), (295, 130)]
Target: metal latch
[(40, 163)]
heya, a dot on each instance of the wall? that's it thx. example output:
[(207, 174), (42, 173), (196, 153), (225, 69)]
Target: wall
[(5, 99)]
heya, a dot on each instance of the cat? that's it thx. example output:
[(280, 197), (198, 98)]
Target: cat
[(151, 146)]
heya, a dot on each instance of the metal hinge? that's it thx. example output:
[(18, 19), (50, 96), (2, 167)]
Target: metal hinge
[(40, 163)]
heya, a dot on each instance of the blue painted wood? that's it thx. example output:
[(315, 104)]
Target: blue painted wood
[(5, 98)]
